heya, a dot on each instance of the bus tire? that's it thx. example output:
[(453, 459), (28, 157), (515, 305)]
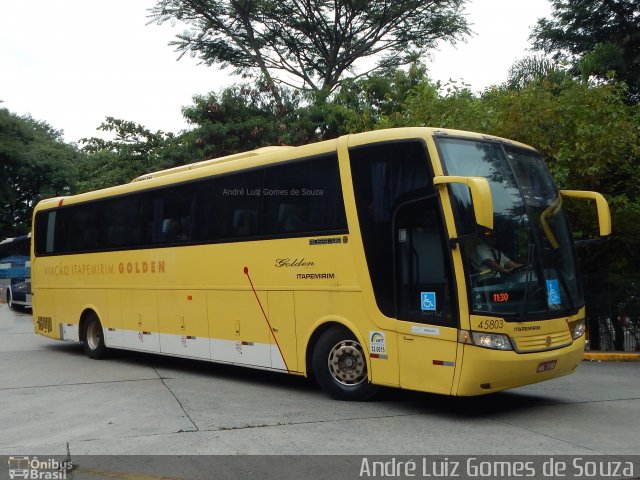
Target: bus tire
[(340, 365), (93, 338), (10, 303)]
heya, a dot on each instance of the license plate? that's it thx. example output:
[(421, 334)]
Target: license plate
[(546, 366)]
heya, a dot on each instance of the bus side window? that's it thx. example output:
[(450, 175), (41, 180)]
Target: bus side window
[(229, 207), (173, 211), (304, 196)]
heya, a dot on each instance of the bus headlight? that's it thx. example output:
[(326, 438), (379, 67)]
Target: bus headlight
[(577, 329), (495, 341)]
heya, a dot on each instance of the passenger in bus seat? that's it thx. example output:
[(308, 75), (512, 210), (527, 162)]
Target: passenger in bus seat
[(245, 223), (175, 231), (116, 235), (90, 239), (295, 220)]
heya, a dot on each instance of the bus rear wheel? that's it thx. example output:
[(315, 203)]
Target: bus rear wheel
[(340, 365), (93, 338)]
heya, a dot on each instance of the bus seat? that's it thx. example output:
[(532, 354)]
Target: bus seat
[(245, 222)]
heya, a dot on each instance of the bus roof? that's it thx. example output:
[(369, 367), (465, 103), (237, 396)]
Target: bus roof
[(211, 161), (383, 134)]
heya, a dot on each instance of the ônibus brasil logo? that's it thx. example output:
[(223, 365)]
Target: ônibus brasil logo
[(35, 469)]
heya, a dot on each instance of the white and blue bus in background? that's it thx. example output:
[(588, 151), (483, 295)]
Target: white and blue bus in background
[(15, 271)]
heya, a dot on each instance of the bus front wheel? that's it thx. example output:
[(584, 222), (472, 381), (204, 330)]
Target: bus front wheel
[(340, 365), (93, 336)]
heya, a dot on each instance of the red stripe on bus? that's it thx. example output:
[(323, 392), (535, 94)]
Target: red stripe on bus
[(246, 272)]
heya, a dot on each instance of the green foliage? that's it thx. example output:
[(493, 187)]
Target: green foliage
[(245, 117), (597, 36), (605, 58), (535, 68), (452, 105), (132, 151), (34, 163), (311, 44), (364, 102), (241, 118)]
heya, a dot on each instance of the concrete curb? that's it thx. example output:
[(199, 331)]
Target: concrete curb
[(612, 356)]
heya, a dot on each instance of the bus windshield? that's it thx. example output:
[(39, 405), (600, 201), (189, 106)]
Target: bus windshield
[(525, 268)]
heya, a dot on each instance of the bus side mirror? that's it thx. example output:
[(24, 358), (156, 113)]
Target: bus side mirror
[(604, 216), (480, 196)]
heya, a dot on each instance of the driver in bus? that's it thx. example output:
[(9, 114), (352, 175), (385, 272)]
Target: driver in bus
[(490, 262)]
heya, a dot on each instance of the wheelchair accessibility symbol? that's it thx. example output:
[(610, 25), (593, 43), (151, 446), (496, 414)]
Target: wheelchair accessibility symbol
[(428, 301), (553, 292)]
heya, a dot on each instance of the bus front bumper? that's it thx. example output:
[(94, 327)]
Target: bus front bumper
[(486, 371)]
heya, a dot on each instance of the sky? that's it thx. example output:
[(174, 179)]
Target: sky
[(72, 63)]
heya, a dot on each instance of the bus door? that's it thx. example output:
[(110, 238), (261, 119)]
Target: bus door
[(424, 297)]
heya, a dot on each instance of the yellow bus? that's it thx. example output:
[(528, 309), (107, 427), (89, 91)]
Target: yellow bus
[(425, 259)]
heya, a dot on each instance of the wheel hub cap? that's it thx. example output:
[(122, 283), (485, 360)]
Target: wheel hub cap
[(347, 363)]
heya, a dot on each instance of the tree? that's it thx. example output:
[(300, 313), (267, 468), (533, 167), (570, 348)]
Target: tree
[(311, 44), (134, 150), (597, 36), (535, 68), (359, 104), (244, 117), (241, 118), (34, 164)]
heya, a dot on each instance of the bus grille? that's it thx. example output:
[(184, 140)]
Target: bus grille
[(44, 324), (539, 343)]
